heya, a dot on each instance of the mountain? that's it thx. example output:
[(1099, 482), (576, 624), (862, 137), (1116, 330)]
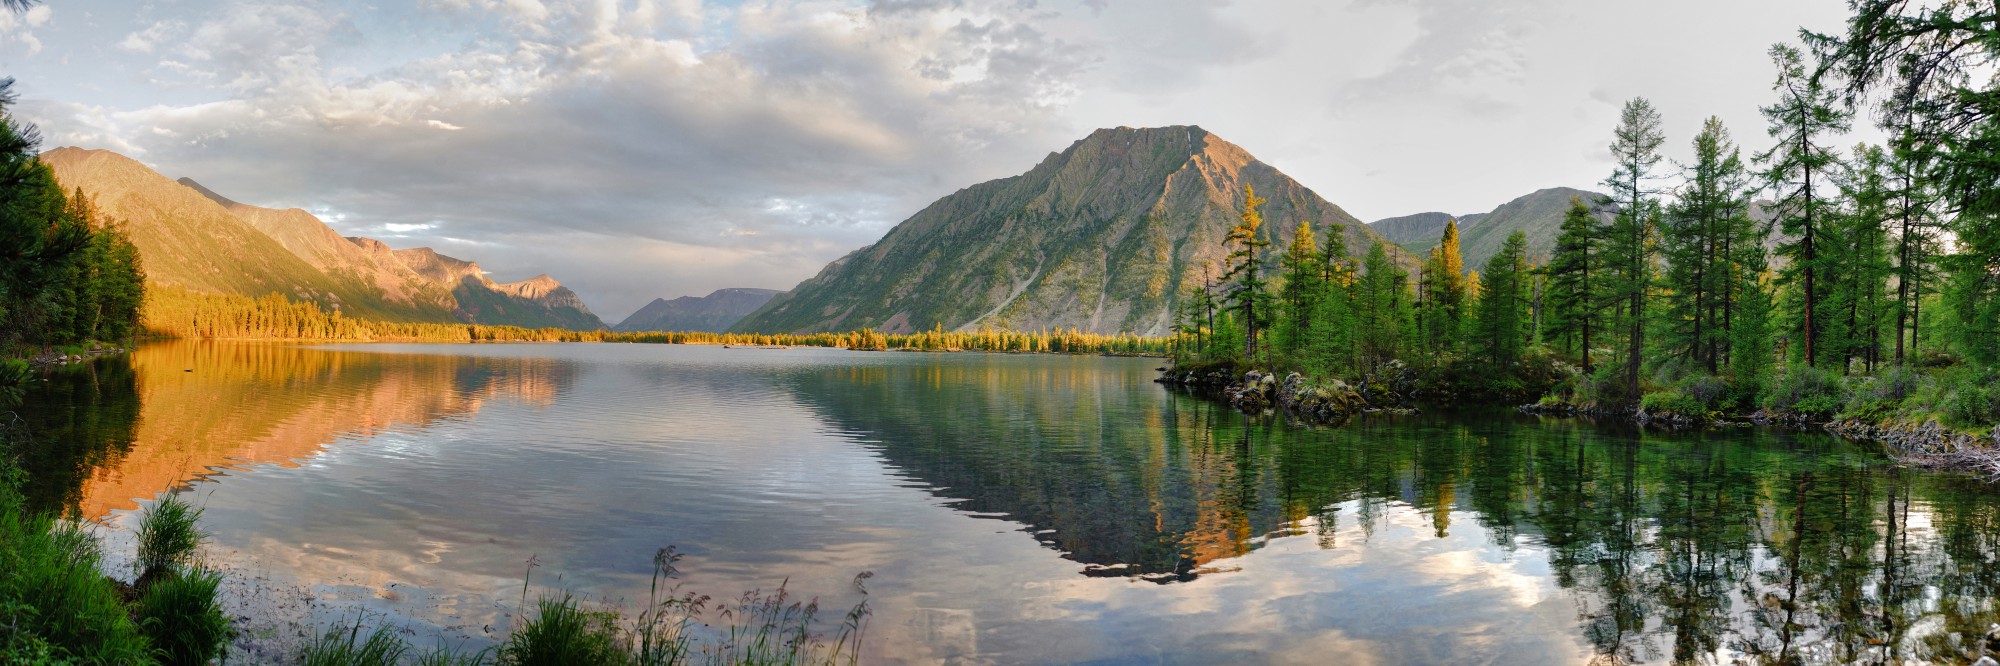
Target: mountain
[(192, 237), (715, 312), (1415, 233), (1104, 237), (345, 262), (1480, 235), (537, 302), (188, 240)]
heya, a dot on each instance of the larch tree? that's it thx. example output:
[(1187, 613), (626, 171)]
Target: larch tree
[(1628, 243), (1698, 236), (1248, 294), (1573, 302), (1442, 300), (1502, 331), (1798, 167)]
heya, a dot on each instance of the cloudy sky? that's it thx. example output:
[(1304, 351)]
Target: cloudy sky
[(643, 148)]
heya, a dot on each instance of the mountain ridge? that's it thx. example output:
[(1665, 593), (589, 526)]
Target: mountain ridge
[(1103, 236), (714, 313), (192, 237)]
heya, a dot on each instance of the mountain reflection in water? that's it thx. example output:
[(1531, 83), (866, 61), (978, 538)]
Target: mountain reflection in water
[(1011, 505)]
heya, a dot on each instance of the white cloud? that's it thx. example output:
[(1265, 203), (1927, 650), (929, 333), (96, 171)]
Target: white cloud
[(676, 123)]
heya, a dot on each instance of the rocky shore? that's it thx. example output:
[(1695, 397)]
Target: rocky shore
[(65, 358), (1928, 445), (1316, 401)]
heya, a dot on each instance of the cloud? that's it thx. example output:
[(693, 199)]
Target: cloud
[(674, 125), (626, 121)]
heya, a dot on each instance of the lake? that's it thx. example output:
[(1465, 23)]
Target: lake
[(1011, 508)]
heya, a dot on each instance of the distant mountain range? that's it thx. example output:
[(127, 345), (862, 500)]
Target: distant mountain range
[(1539, 215), (1104, 236), (1480, 235), (191, 237), (713, 313)]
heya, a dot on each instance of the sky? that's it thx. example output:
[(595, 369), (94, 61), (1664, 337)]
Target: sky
[(636, 149)]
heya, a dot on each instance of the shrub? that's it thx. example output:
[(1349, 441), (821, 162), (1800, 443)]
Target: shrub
[(562, 632), (168, 536), (181, 616), (1672, 401), (1972, 405), (1805, 391)]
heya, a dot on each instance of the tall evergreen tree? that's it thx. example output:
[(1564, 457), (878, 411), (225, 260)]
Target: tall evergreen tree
[(1912, 201), (1857, 294), (1573, 302), (1697, 237), (1248, 295), (1628, 245), (1381, 308), (1300, 290), (1502, 329), (1331, 347), (1798, 167), (1443, 293), (1930, 67)]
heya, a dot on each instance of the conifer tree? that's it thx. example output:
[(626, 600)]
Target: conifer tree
[(1798, 167), (1930, 67), (1698, 236), (1248, 294), (1502, 330), (1331, 346), (1857, 294), (1300, 291), (1628, 245), (1381, 308), (1443, 293), (1573, 302)]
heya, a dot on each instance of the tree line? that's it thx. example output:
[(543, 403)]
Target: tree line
[(68, 274), (1732, 270)]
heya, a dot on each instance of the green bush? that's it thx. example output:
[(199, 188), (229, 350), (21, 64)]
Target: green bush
[(1672, 401), (1805, 391), (60, 606), (182, 617), (1972, 405), (168, 536), (562, 632)]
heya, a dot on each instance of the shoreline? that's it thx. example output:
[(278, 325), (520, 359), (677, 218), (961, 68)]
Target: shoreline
[(1929, 446)]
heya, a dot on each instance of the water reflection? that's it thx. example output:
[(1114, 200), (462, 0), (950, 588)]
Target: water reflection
[(1016, 508), (115, 431), (1751, 545)]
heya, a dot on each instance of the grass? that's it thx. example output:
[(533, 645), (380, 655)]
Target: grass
[(168, 535), (561, 629), (345, 646), (56, 606), (179, 613)]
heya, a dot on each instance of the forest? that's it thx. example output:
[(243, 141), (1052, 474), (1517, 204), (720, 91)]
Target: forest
[(1870, 289), (68, 276)]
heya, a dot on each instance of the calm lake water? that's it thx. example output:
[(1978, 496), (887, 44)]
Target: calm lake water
[(1013, 509)]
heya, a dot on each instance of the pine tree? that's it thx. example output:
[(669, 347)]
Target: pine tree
[(1573, 302), (1912, 199), (1628, 246), (1857, 294), (1930, 66), (1797, 167), (1502, 330), (1300, 291), (1331, 346), (1381, 308), (1696, 238), (1248, 295), (1443, 294)]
